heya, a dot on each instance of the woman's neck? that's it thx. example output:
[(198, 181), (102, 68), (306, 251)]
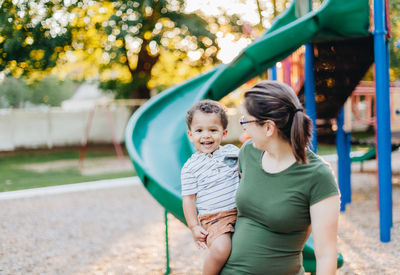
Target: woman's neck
[(278, 156), (279, 150)]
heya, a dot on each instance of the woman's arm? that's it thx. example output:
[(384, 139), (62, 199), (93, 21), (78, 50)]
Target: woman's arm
[(324, 222), (189, 209)]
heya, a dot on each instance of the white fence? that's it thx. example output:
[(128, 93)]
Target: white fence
[(21, 128)]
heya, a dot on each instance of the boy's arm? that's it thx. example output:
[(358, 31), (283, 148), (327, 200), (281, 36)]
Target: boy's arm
[(190, 211)]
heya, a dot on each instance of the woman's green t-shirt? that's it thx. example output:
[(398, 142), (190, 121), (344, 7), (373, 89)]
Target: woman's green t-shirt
[(274, 213)]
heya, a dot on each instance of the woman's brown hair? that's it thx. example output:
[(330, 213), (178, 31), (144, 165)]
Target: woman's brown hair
[(276, 101)]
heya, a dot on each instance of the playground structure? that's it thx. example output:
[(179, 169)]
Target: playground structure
[(365, 94), (359, 108), (362, 102), (291, 70), (105, 107), (339, 56)]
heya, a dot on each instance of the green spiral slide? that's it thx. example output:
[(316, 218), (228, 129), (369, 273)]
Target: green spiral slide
[(155, 136)]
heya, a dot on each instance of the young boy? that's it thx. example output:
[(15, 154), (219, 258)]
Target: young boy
[(209, 183)]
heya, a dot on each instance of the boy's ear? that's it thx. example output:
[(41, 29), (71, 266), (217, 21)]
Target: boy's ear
[(224, 133), (189, 133)]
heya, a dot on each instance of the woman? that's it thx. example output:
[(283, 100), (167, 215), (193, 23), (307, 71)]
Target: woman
[(286, 191)]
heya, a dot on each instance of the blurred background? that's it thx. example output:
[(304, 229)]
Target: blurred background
[(72, 72)]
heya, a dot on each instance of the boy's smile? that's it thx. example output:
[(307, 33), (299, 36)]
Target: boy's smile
[(206, 132)]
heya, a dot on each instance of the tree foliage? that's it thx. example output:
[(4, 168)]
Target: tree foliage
[(268, 10), (50, 91), (32, 35), (136, 33), (126, 44), (14, 92), (394, 45)]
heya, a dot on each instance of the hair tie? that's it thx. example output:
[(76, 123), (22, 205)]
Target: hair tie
[(290, 120)]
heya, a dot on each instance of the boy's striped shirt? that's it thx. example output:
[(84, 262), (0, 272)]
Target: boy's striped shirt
[(214, 179)]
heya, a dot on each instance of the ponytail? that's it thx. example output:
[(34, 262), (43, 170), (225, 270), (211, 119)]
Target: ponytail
[(300, 135)]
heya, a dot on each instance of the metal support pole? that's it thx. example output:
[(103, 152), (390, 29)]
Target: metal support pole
[(388, 89), (344, 161), (309, 91), (383, 121), (86, 137), (348, 166), (287, 70), (167, 267), (117, 146), (273, 73)]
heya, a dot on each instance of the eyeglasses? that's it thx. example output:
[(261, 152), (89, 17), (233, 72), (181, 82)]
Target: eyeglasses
[(243, 122)]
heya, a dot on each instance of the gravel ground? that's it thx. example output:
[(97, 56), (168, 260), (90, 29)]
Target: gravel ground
[(121, 231)]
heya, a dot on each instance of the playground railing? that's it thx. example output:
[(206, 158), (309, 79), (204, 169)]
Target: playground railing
[(363, 104)]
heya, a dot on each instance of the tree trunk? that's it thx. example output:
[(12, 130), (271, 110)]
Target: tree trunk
[(259, 10), (274, 6), (142, 74)]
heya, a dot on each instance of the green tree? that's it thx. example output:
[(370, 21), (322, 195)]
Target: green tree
[(51, 91), (268, 9), (123, 38), (394, 45), (14, 92), (137, 32), (32, 35)]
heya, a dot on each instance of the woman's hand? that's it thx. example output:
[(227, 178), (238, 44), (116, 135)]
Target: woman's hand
[(324, 222)]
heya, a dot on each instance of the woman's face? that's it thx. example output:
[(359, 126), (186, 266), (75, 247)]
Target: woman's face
[(258, 133)]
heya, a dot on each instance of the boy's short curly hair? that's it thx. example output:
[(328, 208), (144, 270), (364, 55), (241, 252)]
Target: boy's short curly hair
[(207, 106)]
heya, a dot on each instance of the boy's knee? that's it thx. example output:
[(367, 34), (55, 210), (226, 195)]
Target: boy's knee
[(221, 248)]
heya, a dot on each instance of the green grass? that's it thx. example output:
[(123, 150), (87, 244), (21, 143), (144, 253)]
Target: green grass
[(14, 177), (324, 149)]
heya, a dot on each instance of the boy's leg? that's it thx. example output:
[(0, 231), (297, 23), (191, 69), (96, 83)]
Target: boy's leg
[(218, 254)]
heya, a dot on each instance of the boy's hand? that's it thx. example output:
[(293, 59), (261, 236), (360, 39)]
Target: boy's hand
[(189, 209), (199, 235)]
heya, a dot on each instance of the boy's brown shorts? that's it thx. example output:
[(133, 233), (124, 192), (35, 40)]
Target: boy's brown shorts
[(218, 223)]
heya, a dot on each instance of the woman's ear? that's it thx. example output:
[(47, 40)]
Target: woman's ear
[(270, 127)]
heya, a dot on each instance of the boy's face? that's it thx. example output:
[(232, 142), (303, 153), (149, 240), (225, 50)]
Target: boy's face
[(206, 131)]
